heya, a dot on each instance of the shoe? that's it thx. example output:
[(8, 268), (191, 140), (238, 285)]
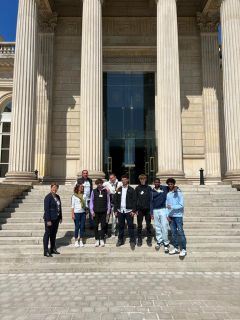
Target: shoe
[(81, 244), (119, 243), (139, 242), (158, 246), (97, 243), (183, 253), (166, 248), (132, 245), (47, 254), (102, 243), (54, 251), (149, 241), (76, 245), (174, 251)]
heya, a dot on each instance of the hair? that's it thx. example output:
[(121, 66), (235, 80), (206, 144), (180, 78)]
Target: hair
[(54, 184), (142, 176), (85, 170), (157, 179), (124, 176), (99, 181), (171, 180), (112, 174), (75, 190)]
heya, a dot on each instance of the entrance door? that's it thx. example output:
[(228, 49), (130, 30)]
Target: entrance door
[(129, 124)]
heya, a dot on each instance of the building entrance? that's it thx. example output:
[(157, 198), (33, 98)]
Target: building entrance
[(129, 124)]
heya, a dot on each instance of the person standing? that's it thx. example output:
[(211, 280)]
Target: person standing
[(52, 217), (88, 187), (79, 214), (160, 213), (175, 205), (99, 207), (143, 198), (125, 208), (112, 185)]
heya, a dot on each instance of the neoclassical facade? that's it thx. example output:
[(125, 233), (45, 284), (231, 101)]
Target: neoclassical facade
[(124, 86)]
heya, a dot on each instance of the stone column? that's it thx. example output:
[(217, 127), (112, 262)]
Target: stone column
[(168, 113), (212, 97), (44, 95), (91, 104), (24, 95), (230, 21)]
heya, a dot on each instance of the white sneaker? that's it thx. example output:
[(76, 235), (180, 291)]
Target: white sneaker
[(102, 244), (183, 253), (97, 243), (174, 251), (81, 244), (76, 245)]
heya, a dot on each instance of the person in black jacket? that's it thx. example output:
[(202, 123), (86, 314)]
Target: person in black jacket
[(88, 187), (143, 199), (125, 209), (52, 217)]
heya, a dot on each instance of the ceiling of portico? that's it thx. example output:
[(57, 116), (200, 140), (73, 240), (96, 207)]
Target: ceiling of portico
[(125, 8)]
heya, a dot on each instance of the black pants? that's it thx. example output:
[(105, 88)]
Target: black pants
[(50, 233), (100, 217), (121, 224), (141, 214)]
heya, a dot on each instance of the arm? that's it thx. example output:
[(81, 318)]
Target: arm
[(134, 204), (108, 204), (72, 209), (91, 205), (151, 203), (46, 209), (180, 202), (60, 216)]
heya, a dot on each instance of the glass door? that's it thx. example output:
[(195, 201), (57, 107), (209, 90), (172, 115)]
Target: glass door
[(129, 124)]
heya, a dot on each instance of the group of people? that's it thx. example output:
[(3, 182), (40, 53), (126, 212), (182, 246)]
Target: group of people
[(118, 202)]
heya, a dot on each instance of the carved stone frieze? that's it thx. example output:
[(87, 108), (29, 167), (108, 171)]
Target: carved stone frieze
[(208, 22)]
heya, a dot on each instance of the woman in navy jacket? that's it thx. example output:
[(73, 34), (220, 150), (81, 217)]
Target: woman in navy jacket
[(52, 217)]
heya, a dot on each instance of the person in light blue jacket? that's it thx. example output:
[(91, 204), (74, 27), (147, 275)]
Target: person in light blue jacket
[(175, 205)]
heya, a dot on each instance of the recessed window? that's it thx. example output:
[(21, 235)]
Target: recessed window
[(5, 130)]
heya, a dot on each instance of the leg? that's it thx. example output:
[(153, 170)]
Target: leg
[(121, 224), (139, 222), (174, 233), (96, 223), (103, 217), (114, 222), (158, 228), (77, 225), (164, 225), (46, 237), (148, 223), (180, 232), (82, 224), (53, 234), (130, 227)]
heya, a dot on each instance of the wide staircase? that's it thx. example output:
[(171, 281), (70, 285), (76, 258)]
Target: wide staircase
[(212, 227)]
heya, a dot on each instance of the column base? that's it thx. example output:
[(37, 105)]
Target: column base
[(93, 174), (179, 176), (21, 177)]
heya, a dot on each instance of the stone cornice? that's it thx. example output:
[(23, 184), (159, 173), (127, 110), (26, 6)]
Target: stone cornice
[(208, 22), (44, 7), (47, 23)]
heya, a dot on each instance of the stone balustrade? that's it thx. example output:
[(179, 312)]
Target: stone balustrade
[(7, 48)]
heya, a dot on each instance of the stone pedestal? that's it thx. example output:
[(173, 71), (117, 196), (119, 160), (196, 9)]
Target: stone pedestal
[(230, 21), (91, 102), (21, 163), (168, 109)]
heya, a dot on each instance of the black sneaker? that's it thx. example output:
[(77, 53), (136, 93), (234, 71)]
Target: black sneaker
[(158, 246), (119, 243), (166, 248), (139, 242), (132, 245), (149, 241)]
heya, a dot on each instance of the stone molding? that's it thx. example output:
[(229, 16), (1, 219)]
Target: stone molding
[(208, 22), (47, 23)]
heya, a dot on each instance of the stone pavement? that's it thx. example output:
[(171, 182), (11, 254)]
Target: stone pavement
[(120, 296)]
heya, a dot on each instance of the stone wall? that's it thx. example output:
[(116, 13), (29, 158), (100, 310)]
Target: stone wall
[(10, 191)]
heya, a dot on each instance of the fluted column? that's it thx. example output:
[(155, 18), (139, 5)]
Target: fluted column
[(168, 113), (44, 96), (212, 97), (24, 91), (230, 20), (91, 104)]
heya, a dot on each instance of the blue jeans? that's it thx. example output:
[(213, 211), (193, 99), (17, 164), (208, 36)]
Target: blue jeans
[(80, 219), (177, 231)]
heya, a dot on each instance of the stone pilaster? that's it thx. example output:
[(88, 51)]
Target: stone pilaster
[(91, 104), (230, 21), (212, 97), (44, 95), (168, 109), (24, 95)]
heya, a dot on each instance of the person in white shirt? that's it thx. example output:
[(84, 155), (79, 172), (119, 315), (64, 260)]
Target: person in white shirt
[(112, 186), (79, 214)]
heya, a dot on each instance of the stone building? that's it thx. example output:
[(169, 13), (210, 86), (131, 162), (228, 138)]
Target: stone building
[(130, 85)]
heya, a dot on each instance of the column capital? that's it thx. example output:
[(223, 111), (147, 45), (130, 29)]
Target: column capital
[(47, 23), (208, 22)]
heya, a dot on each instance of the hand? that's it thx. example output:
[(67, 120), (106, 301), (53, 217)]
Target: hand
[(169, 206), (116, 214), (60, 221), (49, 223), (133, 213), (152, 216), (169, 219), (73, 216), (93, 214)]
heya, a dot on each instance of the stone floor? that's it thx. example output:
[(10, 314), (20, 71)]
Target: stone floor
[(120, 296)]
